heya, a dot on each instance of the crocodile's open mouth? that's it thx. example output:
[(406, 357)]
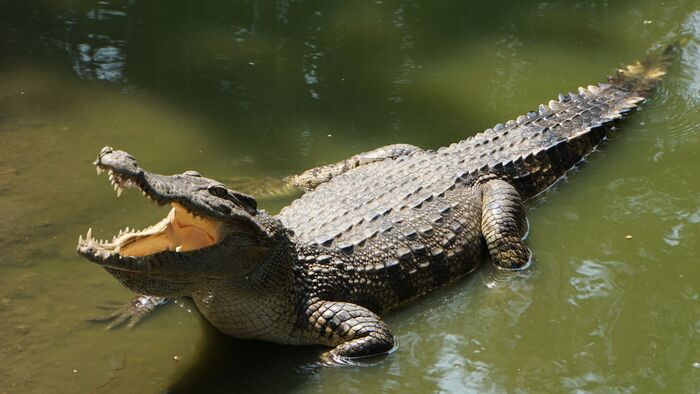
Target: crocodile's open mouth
[(180, 231)]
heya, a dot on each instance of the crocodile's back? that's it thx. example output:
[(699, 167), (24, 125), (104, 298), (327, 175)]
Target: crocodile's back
[(335, 210)]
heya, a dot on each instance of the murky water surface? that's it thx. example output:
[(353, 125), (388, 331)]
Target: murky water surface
[(244, 90)]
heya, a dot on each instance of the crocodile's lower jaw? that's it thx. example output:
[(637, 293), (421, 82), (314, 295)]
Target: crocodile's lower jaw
[(179, 231)]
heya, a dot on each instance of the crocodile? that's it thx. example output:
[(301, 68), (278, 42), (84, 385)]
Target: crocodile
[(370, 232)]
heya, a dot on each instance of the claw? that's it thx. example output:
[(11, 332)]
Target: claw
[(133, 312)]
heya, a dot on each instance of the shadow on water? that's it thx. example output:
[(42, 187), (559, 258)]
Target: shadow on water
[(229, 365)]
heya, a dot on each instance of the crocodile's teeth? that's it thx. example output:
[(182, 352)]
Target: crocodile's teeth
[(119, 191), (91, 243), (80, 239), (178, 248), (89, 234), (99, 170)]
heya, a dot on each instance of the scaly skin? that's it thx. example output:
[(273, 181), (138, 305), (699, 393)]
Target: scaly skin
[(374, 230)]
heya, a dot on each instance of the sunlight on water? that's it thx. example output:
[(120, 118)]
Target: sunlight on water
[(249, 92)]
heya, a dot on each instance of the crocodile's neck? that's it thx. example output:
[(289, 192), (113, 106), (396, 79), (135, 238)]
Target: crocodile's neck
[(264, 300)]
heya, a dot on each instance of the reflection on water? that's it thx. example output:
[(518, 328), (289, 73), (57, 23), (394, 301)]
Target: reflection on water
[(97, 55), (248, 92)]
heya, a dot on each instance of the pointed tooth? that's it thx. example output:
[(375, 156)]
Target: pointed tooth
[(90, 244), (119, 191), (178, 248), (126, 229), (80, 239), (89, 233), (98, 170)]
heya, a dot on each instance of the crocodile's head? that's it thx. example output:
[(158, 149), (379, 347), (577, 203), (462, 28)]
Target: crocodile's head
[(211, 232)]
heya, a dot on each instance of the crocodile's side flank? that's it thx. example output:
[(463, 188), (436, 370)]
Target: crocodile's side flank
[(373, 231)]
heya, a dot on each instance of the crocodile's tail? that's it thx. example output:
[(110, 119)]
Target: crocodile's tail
[(603, 105), (537, 149)]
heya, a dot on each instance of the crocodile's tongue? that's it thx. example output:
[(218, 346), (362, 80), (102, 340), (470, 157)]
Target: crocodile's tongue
[(179, 231)]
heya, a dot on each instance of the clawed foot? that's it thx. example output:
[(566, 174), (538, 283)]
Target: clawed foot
[(340, 357), (133, 312)]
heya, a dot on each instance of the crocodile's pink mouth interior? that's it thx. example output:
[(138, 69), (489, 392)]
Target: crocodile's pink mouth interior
[(179, 231)]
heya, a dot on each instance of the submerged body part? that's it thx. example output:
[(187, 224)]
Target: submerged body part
[(371, 232)]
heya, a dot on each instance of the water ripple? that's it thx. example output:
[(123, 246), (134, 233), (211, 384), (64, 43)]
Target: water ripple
[(676, 104), (634, 196), (595, 280)]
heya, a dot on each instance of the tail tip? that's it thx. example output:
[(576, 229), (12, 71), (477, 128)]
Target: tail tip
[(643, 75)]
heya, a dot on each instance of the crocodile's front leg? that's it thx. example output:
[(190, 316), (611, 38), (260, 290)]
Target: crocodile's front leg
[(353, 330), (504, 225), (133, 312), (309, 179)]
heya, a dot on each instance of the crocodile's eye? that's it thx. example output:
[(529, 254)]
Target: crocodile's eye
[(218, 191)]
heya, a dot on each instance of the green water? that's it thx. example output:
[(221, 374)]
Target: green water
[(254, 89)]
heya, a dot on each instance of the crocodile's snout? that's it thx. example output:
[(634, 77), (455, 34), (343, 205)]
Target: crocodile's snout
[(118, 161)]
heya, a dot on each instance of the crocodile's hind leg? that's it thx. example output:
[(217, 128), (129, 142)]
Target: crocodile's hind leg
[(309, 179), (133, 312), (353, 330), (504, 225)]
